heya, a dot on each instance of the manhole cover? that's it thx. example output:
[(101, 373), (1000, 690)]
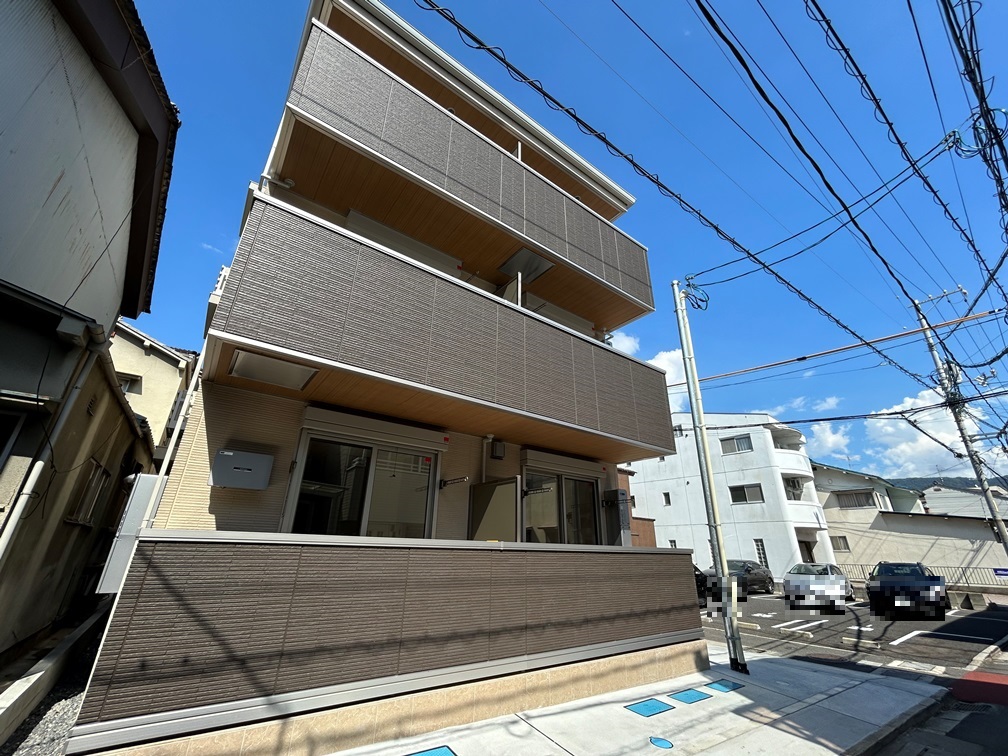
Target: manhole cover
[(961, 706)]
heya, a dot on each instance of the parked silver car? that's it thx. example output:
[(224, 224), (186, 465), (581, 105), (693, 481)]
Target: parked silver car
[(817, 586)]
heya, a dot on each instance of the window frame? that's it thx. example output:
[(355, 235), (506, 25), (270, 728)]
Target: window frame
[(836, 540), (562, 477), (869, 492), (87, 493), (666, 498), (374, 443), (734, 442), (745, 491), (761, 555)]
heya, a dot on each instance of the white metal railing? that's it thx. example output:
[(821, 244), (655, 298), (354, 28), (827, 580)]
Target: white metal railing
[(956, 577)]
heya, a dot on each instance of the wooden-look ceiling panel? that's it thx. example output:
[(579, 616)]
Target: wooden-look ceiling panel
[(345, 389), (405, 69), (346, 180)]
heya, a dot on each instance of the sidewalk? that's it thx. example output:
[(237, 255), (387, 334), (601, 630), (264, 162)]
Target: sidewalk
[(783, 707)]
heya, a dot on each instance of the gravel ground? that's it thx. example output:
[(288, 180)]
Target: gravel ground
[(45, 731)]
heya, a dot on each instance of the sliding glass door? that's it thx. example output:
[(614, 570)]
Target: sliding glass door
[(356, 488), (560, 509)]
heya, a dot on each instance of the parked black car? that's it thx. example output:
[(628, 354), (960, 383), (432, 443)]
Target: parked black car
[(702, 586), (751, 575), (910, 586)]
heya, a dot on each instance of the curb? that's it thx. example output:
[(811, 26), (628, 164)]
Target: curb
[(748, 625), (783, 630), (879, 739), (860, 642)]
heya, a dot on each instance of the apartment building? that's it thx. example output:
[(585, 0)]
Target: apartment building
[(399, 466), (87, 142), (764, 486)]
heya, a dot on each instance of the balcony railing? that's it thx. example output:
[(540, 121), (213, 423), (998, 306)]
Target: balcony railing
[(310, 287), (794, 462), (357, 98)]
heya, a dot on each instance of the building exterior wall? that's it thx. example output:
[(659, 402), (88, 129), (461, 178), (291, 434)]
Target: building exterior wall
[(161, 377), (54, 558), (73, 151), (779, 522)]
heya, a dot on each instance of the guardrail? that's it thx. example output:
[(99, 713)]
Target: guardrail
[(963, 578)]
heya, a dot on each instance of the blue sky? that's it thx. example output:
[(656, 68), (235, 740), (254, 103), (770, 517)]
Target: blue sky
[(229, 73)]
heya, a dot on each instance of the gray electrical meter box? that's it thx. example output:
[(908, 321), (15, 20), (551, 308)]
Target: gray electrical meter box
[(238, 469)]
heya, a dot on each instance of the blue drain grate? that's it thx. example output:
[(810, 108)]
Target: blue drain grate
[(724, 686), (660, 742), (439, 751), (689, 696), (649, 707)]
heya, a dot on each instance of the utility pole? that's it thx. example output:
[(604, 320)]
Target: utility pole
[(726, 583), (956, 404)]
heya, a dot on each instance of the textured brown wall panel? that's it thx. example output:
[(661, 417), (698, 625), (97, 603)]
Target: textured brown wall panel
[(347, 301), (344, 90), (205, 623)]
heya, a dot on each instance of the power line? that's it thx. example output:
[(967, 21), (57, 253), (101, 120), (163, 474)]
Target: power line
[(477, 44)]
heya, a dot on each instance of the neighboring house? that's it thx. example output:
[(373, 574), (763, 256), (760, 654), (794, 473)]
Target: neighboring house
[(642, 532), (763, 484), (872, 520), (399, 467), (154, 378), (87, 138), (969, 502)]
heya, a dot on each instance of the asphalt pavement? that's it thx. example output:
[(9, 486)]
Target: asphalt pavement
[(931, 645)]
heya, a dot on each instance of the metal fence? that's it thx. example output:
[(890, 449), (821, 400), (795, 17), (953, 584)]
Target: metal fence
[(958, 577)]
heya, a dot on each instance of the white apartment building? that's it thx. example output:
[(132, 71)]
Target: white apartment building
[(764, 486)]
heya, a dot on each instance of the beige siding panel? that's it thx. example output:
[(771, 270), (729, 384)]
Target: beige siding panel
[(460, 459), (227, 418)]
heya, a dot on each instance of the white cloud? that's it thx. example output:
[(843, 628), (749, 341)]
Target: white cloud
[(829, 441), (672, 363), (830, 402), (211, 248), (625, 342), (899, 450), (808, 373), (797, 403)]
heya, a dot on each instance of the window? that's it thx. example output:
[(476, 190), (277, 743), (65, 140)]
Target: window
[(667, 498), (671, 544), (839, 543), (130, 384), (793, 488), (752, 494), (736, 444), (856, 499), (761, 553), (633, 502), (87, 492), (350, 488), (560, 509), (661, 458)]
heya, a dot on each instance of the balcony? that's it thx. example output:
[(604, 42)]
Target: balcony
[(359, 135), (219, 629), (806, 514), (375, 331), (792, 462)]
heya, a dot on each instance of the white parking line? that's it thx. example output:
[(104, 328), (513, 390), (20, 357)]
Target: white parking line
[(810, 624), (908, 636), (785, 624), (951, 635)]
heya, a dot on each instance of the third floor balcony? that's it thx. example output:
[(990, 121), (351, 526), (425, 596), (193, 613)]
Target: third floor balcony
[(356, 137)]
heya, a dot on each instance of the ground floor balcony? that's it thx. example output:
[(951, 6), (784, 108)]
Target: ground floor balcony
[(215, 629)]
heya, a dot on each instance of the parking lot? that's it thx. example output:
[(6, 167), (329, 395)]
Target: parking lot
[(938, 646)]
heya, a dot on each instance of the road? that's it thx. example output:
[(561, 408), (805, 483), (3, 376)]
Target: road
[(943, 648)]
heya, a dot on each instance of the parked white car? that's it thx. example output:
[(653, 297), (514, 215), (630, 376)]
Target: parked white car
[(817, 586)]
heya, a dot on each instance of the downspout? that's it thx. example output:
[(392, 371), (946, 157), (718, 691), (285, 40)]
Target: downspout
[(152, 507), (483, 456), (28, 491), (108, 368)]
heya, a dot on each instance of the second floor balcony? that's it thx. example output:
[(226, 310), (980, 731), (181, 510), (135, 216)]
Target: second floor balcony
[(314, 312)]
